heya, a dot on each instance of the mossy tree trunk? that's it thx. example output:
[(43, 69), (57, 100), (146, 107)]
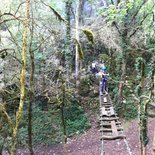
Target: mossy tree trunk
[(125, 44), (142, 109), (141, 112), (77, 53), (154, 29), (63, 118), (122, 81), (77, 38), (79, 5), (154, 86), (31, 93), (22, 82), (68, 39), (123, 66)]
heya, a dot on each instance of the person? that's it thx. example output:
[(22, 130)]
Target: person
[(104, 81), (93, 67)]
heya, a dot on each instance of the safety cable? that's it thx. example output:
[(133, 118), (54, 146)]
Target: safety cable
[(127, 146), (102, 147)]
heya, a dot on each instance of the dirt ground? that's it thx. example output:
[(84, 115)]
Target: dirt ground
[(89, 143)]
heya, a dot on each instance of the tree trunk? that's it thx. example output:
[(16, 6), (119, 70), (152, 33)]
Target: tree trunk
[(30, 105), (31, 93), (144, 139), (63, 119), (80, 10), (140, 109), (22, 82), (122, 82), (154, 87), (124, 52), (68, 38), (77, 53), (142, 114), (154, 29)]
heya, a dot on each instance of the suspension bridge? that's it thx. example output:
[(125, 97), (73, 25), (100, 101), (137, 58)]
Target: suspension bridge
[(110, 125)]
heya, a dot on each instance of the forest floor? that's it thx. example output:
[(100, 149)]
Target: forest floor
[(89, 143)]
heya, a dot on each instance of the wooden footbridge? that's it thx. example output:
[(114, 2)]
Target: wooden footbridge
[(110, 126)]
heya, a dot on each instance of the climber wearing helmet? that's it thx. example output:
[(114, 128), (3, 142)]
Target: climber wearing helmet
[(104, 81)]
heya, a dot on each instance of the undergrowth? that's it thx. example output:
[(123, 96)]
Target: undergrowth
[(47, 126)]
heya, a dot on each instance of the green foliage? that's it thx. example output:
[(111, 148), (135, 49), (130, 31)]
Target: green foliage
[(44, 130), (130, 109), (76, 120), (116, 14), (5, 134), (93, 1), (132, 13), (105, 58), (47, 128), (85, 87), (48, 42), (129, 105), (138, 64)]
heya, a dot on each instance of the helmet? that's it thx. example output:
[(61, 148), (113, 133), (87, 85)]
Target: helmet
[(103, 68)]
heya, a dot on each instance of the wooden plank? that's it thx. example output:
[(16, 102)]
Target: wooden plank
[(114, 128), (105, 100), (112, 112), (103, 111), (107, 124), (110, 130), (113, 137), (107, 111), (109, 118), (106, 105)]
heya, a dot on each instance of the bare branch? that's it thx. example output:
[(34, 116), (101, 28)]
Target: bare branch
[(41, 43), (19, 48), (6, 49), (117, 28), (55, 12), (19, 7), (6, 20), (9, 121), (10, 19)]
